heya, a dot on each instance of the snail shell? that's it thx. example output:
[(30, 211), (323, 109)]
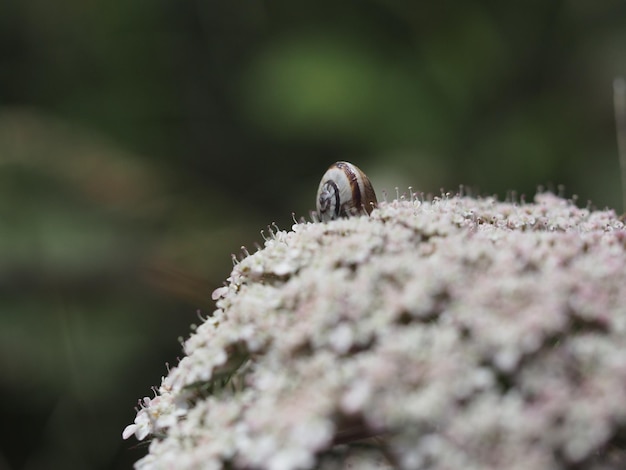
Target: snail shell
[(344, 190)]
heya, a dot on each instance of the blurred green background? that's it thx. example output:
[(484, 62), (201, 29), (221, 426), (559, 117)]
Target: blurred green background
[(141, 143)]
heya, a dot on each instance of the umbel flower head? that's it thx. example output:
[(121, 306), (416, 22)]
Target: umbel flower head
[(456, 333)]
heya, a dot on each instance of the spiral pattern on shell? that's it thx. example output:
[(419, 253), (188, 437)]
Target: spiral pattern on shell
[(344, 191)]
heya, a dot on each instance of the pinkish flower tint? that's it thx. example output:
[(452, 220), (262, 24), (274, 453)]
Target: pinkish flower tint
[(454, 333)]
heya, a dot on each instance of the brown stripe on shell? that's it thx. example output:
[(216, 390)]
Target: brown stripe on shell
[(353, 178), (370, 195)]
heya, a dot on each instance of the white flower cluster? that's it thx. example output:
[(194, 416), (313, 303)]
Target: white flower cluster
[(452, 333)]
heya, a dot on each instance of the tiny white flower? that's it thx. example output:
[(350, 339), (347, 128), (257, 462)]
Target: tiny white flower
[(141, 427)]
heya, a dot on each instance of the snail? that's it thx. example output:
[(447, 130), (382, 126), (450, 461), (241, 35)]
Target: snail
[(344, 191)]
